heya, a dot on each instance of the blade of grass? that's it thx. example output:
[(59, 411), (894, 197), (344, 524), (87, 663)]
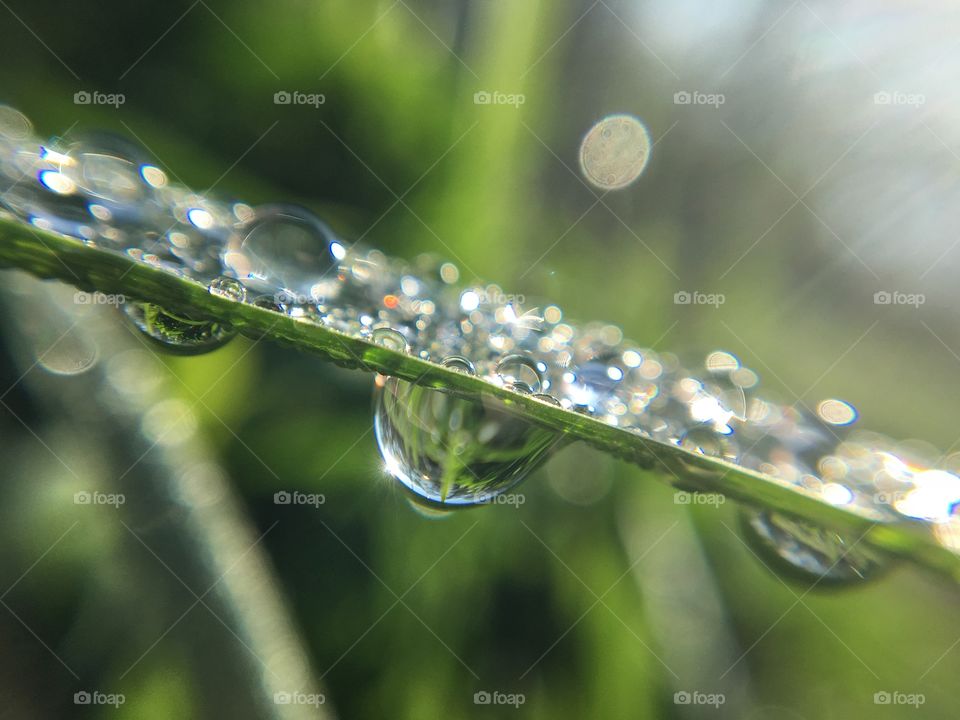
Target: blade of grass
[(53, 256)]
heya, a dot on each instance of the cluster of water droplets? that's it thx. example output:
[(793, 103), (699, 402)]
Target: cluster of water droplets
[(451, 449)]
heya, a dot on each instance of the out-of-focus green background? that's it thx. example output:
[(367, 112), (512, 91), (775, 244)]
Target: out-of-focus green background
[(798, 198)]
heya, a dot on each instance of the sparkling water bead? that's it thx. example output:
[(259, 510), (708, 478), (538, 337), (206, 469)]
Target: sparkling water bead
[(228, 288), (176, 333), (451, 450), (592, 387), (808, 552), (289, 248), (389, 337), (520, 373), (705, 440), (105, 167)]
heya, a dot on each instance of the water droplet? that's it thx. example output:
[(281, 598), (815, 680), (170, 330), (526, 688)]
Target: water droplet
[(808, 552), (390, 338), (228, 288), (705, 440), (460, 364), (56, 182), (268, 302), (104, 166), (452, 450), (14, 125), (289, 247), (520, 373), (177, 333), (591, 387)]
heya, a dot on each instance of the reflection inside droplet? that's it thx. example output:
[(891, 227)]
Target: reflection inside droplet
[(519, 373), (175, 332), (808, 552), (452, 450)]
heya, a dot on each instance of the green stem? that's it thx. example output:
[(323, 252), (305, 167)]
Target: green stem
[(48, 255)]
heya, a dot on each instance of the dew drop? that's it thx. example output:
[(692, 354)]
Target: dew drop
[(228, 288), (591, 387), (56, 182), (289, 247), (520, 373), (390, 338), (808, 552), (451, 450), (268, 302), (177, 333), (106, 167), (460, 364), (705, 440), (14, 125)]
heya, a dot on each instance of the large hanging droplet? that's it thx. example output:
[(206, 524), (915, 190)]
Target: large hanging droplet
[(808, 552), (175, 332), (289, 248), (452, 450)]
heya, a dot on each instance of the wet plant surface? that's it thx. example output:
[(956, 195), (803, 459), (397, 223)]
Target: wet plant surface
[(267, 545)]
